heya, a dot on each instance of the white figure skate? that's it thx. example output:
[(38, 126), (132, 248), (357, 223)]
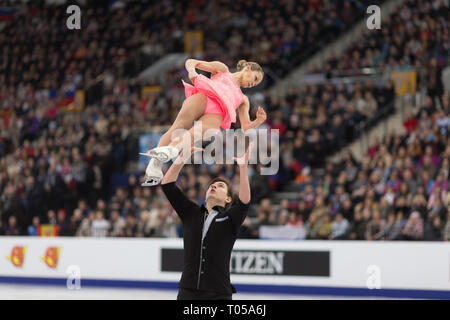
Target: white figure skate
[(163, 154), (153, 173)]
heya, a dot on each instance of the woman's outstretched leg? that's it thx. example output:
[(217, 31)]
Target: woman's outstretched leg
[(208, 124), (153, 174), (211, 121), (192, 109)]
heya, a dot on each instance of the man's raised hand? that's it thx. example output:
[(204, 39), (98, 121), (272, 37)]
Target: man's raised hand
[(243, 161)]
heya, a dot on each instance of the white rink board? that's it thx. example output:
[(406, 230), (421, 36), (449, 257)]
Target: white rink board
[(402, 265)]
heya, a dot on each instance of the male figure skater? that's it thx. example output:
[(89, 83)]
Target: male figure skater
[(209, 232)]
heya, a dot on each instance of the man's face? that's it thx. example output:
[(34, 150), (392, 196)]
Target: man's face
[(219, 192)]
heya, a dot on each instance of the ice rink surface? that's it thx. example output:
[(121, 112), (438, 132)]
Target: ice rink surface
[(36, 292)]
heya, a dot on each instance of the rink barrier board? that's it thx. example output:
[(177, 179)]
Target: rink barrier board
[(405, 269)]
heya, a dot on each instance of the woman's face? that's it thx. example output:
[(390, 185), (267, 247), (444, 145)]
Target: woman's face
[(250, 78)]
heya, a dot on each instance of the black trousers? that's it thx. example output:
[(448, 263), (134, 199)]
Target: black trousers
[(194, 294)]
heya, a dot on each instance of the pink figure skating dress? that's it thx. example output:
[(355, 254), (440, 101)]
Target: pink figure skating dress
[(223, 95)]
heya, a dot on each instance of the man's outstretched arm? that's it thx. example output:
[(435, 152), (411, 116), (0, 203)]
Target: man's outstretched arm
[(244, 185), (172, 173), (239, 211), (176, 197)]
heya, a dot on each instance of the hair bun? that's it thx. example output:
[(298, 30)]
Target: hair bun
[(241, 64)]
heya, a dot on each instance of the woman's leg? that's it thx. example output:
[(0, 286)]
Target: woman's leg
[(191, 110), (210, 121)]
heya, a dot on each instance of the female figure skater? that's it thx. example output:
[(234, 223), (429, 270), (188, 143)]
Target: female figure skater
[(211, 100)]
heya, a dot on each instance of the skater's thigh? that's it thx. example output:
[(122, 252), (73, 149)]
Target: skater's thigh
[(206, 125), (191, 110)]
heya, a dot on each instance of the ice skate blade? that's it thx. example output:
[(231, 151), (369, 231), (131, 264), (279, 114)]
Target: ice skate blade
[(157, 155), (151, 183)]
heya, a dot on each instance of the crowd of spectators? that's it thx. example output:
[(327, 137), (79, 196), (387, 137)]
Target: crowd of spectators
[(38, 49), (316, 120), (399, 191), (277, 34), (56, 167), (320, 119), (415, 37), (50, 160)]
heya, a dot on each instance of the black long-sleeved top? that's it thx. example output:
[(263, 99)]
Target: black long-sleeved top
[(206, 262)]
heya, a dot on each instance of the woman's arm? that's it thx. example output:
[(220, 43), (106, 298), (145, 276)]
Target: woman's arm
[(243, 111), (244, 116), (213, 66)]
